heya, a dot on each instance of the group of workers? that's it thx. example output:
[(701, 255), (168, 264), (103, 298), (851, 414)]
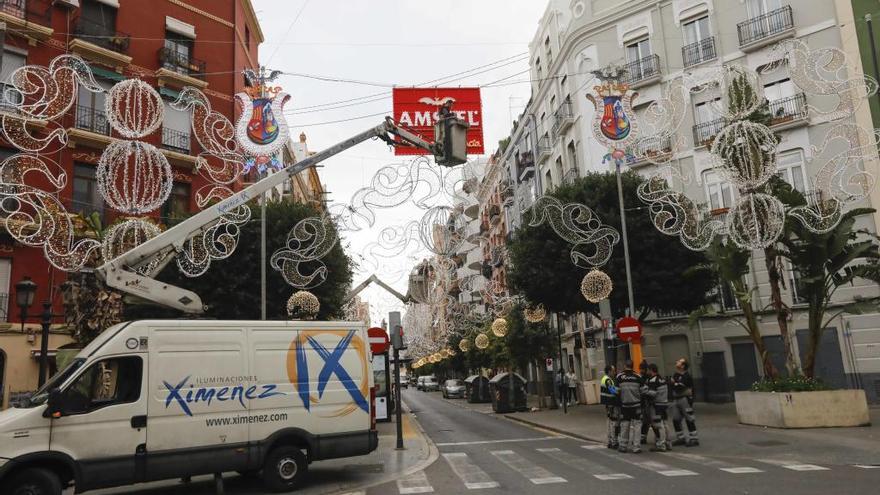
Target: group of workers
[(636, 402)]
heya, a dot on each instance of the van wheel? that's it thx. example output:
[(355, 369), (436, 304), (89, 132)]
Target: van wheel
[(35, 481), (284, 469)]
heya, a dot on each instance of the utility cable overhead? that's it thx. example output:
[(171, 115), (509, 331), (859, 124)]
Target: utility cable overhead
[(289, 27)]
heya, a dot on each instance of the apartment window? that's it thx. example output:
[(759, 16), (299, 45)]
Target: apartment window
[(10, 97), (795, 281), (638, 50), (90, 113), (548, 181), (178, 52), (707, 121), (696, 30), (699, 46), (760, 7), (778, 90), (538, 70), (97, 19), (790, 168), (177, 206), (572, 156), (86, 198), (726, 297), (706, 111), (175, 129), (718, 191), (548, 51)]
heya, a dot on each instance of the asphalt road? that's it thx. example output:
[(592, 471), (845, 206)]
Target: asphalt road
[(491, 455)]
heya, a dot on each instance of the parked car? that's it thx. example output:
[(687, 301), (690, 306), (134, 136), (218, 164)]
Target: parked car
[(453, 388), (431, 384), (153, 400)]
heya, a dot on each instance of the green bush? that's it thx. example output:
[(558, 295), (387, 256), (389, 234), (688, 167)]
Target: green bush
[(790, 384)]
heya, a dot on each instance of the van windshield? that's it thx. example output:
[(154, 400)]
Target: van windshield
[(40, 396)]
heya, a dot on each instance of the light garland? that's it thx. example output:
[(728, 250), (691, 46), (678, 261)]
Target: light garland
[(303, 305), (134, 109), (464, 345), (535, 314), (134, 177), (499, 327), (596, 286), (481, 341), (577, 224)]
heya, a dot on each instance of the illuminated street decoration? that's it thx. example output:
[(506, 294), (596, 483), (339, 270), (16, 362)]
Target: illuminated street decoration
[(308, 241), (303, 305), (535, 314), (134, 177), (126, 235), (596, 286), (261, 129)]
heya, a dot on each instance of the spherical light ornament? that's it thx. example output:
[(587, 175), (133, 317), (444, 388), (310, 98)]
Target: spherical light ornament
[(596, 285), (746, 153), (756, 221), (535, 314), (482, 341), (499, 327), (464, 345), (127, 235), (134, 109), (303, 305), (134, 177), (442, 231)]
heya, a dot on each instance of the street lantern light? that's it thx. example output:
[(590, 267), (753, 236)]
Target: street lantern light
[(24, 297)]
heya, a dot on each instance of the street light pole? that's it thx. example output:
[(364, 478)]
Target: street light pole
[(629, 282), (45, 323)]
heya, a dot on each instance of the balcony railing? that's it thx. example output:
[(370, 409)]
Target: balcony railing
[(525, 165), (765, 26), (570, 176), (648, 149), (699, 52), (788, 109), (91, 119), (101, 35), (87, 208), (563, 117), (639, 70), (704, 133), (176, 61), (175, 140), (4, 305), (544, 147), (34, 11)]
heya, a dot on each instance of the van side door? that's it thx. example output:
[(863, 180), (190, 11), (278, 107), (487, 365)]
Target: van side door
[(103, 421)]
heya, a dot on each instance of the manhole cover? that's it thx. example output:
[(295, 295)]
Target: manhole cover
[(768, 443), (365, 468)]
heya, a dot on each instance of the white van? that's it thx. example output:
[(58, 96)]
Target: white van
[(151, 400)]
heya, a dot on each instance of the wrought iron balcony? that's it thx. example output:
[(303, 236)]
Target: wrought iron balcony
[(176, 61), (765, 26), (645, 150), (641, 70), (704, 133), (563, 118), (544, 148), (570, 176), (39, 11), (175, 140), (525, 166), (699, 52), (101, 35), (91, 119), (789, 109)]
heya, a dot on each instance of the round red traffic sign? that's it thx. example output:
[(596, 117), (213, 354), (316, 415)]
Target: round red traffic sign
[(629, 329), (378, 338)]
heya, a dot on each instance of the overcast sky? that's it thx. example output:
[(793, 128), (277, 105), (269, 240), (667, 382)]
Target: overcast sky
[(388, 42)]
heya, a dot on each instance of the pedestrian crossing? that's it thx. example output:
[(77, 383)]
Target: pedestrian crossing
[(545, 465)]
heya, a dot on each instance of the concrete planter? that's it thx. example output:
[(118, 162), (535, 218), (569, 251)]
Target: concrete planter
[(827, 408)]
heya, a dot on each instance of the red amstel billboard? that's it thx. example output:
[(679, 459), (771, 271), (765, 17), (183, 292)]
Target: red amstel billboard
[(415, 109)]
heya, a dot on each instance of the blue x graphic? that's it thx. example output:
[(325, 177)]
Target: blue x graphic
[(331, 366)]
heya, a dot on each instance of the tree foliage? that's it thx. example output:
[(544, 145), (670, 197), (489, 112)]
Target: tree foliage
[(664, 277), (231, 287)]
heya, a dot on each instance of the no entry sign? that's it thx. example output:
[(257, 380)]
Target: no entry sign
[(378, 340), (415, 109), (629, 329)]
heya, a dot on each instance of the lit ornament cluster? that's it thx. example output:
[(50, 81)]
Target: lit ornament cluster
[(303, 305), (126, 235), (596, 286), (499, 327), (535, 314)]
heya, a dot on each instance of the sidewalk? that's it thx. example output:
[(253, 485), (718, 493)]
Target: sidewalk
[(721, 435)]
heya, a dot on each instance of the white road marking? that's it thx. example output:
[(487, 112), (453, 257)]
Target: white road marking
[(714, 463), (657, 467), (593, 447), (511, 440), (590, 467), (867, 466), (536, 474), (470, 474), (793, 465), (414, 483)]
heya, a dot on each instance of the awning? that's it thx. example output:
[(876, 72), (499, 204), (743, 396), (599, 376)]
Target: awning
[(107, 74)]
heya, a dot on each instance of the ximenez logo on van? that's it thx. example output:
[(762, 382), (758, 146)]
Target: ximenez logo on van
[(183, 397)]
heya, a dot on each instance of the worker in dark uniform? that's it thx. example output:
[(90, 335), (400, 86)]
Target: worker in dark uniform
[(658, 396), (646, 406), (608, 396), (683, 405), (630, 388)]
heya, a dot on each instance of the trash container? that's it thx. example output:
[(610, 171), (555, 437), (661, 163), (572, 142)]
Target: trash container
[(499, 387), (476, 389)]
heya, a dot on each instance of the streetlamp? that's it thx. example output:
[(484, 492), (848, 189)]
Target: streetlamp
[(24, 297)]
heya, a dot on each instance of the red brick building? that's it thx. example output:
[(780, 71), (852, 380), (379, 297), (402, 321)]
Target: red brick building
[(167, 43)]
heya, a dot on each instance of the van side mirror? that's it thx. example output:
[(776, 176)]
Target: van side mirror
[(55, 404)]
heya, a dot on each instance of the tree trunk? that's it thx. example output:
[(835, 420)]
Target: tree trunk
[(817, 313), (542, 403), (754, 330), (771, 261)]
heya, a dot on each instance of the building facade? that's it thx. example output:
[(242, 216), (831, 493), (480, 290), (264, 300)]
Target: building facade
[(657, 42), (169, 44)]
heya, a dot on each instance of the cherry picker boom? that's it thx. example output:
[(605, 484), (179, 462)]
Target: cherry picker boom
[(122, 273)]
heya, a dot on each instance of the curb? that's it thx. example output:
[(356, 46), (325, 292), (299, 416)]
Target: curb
[(433, 455), (553, 429)]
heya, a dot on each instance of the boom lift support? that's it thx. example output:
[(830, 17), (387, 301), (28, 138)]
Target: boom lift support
[(120, 273)]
